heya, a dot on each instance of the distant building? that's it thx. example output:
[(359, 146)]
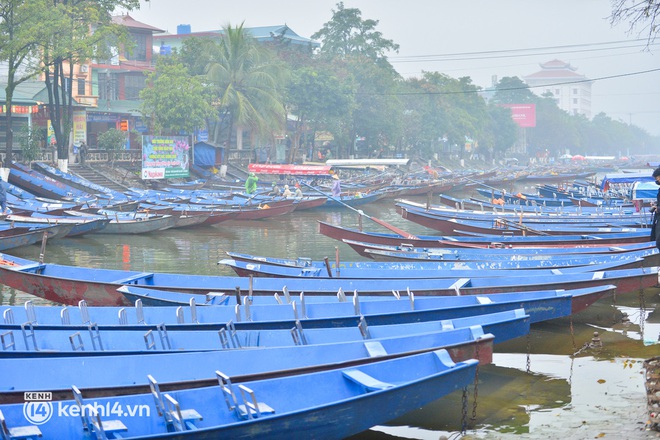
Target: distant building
[(165, 43), (570, 90)]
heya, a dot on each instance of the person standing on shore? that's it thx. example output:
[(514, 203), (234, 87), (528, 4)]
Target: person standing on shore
[(82, 152), (655, 230)]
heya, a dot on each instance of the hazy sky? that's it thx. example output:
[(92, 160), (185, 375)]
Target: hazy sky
[(476, 38)]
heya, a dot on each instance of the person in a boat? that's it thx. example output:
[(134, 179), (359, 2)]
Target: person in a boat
[(336, 186), (251, 183), (298, 194), (655, 230), (287, 192), (276, 191)]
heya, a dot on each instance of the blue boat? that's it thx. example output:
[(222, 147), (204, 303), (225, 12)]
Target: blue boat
[(360, 397), (245, 269), (112, 341), (501, 226), (540, 305), (195, 369), (69, 284)]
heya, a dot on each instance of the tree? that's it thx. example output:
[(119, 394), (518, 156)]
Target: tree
[(70, 39), (30, 140), (21, 24), (512, 90), (248, 87), (347, 34), (358, 50), (173, 101), (318, 98), (644, 14), (112, 141)]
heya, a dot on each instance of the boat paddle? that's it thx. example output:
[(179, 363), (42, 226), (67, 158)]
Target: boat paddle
[(392, 228)]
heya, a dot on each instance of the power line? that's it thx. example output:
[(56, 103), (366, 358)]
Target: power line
[(526, 87), (510, 53)]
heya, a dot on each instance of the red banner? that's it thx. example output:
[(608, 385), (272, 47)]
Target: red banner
[(302, 170), (523, 114)]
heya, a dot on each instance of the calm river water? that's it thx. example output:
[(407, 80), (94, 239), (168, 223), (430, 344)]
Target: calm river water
[(534, 389)]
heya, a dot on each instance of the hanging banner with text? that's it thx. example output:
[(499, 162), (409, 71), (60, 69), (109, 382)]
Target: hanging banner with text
[(523, 114), (165, 157), (79, 127)]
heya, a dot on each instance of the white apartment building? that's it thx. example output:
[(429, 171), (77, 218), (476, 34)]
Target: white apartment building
[(571, 91)]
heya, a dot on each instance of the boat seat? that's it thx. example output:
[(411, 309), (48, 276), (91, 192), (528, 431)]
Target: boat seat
[(134, 278), (369, 383), (459, 284), (250, 408), (180, 420), (18, 432), (169, 409), (30, 267), (91, 419)]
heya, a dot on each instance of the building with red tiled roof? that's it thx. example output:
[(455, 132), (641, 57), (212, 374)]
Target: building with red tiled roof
[(571, 90)]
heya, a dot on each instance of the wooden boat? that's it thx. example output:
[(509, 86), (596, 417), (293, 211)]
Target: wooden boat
[(265, 211), (484, 205), (456, 258), (340, 233), (531, 220), (194, 369), (502, 226), (488, 256), (81, 226), (190, 220), (309, 202), (68, 284), (113, 341), (17, 237), (181, 310), (244, 269), (353, 200), (583, 297), (131, 223), (42, 185), (361, 397)]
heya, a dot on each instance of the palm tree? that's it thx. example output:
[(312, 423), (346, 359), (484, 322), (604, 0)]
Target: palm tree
[(249, 86)]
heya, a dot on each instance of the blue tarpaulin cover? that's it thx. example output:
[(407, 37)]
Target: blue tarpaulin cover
[(626, 178), (204, 155), (645, 191)]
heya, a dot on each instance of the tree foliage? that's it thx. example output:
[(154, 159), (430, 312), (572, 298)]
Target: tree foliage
[(248, 85), (78, 30), (348, 34), (174, 101), (21, 33), (112, 141), (30, 139), (319, 100)]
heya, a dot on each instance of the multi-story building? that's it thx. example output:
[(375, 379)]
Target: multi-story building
[(570, 90)]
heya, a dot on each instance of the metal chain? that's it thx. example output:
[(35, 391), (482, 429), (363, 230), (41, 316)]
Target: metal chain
[(642, 313), (529, 358), (464, 411), (570, 320), (476, 387)]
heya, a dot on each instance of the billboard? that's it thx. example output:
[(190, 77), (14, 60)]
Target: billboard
[(165, 157), (523, 114)]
